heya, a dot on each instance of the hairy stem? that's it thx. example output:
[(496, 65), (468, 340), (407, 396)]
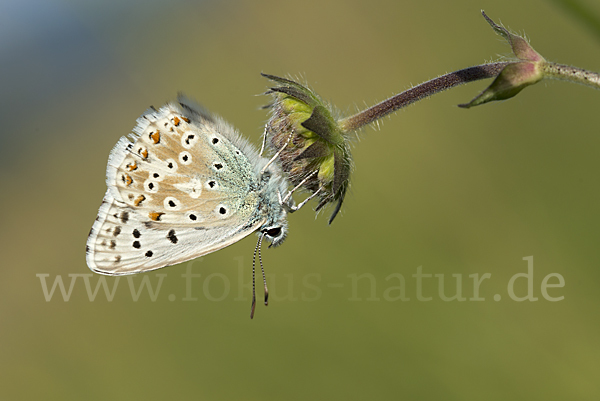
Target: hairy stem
[(419, 92), (572, 74)]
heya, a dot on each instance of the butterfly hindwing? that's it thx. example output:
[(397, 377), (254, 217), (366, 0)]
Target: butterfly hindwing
[(183, 185)]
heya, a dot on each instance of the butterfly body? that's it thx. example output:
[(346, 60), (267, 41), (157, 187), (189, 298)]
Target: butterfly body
[(184, 184)]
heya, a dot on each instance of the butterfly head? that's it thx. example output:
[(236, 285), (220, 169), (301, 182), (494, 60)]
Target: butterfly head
[(275, 235)]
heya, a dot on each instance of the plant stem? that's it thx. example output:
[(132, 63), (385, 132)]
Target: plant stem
[(572, 74), (419, 92)]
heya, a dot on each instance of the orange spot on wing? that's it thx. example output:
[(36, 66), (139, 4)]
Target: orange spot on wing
[(128, 180), (144, 153), (132, 166), (155, 216), (187, 120), (139, 200), (176, 121), (155, 136)]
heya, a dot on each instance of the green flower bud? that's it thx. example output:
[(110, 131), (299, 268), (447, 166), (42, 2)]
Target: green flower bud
[(312, 149)]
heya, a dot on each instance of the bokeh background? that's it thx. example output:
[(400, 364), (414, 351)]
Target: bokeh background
[(453, 191)]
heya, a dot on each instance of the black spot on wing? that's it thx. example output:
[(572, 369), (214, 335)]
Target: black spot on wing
[(172, 237)]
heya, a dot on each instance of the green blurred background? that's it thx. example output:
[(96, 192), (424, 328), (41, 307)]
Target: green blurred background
[(458, 192)]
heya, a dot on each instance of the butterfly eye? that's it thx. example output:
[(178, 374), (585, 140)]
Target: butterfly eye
[(274, 232)]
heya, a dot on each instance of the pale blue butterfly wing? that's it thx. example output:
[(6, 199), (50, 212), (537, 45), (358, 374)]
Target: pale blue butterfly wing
[(184, 184)]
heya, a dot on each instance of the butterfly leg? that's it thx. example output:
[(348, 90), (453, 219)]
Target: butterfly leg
[(264, 142), (289, 194), (292, 208), (306, 200), (277, 154)]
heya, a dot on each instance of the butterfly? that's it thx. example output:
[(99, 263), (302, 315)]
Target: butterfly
[(182, 185)]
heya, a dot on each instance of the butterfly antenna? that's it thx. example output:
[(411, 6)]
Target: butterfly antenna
[(253, 276), (263, 271)]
